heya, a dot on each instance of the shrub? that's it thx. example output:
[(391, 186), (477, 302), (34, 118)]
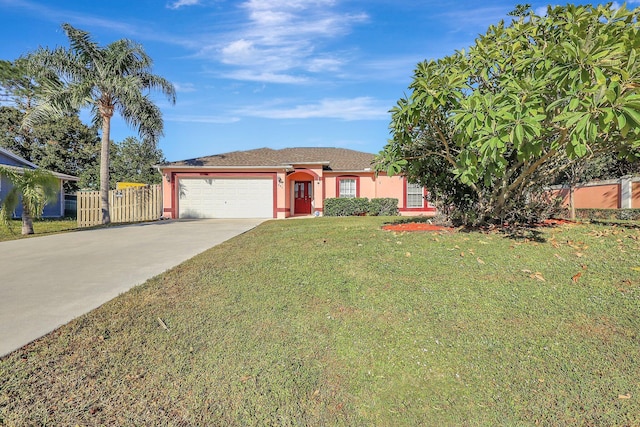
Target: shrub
[(622, 214), (346, 206), (383, 207)]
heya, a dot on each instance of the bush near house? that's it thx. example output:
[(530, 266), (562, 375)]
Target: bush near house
[(346, 206), (359, 206), (621, 214), (383, 207)]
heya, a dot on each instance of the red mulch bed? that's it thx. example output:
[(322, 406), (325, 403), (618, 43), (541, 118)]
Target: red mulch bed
[(415, 226)]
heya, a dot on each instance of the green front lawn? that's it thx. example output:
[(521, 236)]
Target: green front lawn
[(40, 227), (332, 321)]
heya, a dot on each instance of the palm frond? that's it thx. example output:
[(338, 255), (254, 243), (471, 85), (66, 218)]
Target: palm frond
[(36, 186), (81, 43)]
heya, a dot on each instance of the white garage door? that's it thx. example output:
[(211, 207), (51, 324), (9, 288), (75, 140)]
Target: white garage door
[(225, 198)]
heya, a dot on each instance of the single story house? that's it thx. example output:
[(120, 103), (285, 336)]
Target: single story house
[(267, 183), (10, 159)]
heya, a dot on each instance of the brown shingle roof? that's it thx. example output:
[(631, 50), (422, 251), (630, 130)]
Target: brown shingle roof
[(339, 159)]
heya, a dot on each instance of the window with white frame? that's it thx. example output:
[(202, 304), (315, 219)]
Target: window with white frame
[(347, 188), (415, 196)]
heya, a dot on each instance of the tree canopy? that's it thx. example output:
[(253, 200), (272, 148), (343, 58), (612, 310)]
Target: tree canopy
[(132, 160), (110, 79), (485, 128), (64, 144)]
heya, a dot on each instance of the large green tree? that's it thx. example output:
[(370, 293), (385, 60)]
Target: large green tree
[(492, 124), (132, 160), (63, 144), (33, 188), (114, 78)]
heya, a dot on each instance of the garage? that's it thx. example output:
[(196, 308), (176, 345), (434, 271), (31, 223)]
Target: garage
[(225, 198)]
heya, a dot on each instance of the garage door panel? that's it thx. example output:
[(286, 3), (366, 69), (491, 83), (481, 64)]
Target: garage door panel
[(225, 198)]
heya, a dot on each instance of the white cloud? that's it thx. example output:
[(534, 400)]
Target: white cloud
[(265, 77), (318, 65), (238, 52), (178, 4), (184, 87), (284, 38), (361, 108), (475, 20)]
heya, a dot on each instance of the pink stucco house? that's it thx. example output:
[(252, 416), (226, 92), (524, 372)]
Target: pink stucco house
[(267, 183)]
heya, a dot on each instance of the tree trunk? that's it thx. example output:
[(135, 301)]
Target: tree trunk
[(104, 170), (27, 220)]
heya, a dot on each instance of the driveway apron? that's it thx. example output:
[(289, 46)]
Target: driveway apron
[(47, 281)]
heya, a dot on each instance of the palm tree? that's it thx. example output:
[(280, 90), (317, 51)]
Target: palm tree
[(37, 188), (115, 78)]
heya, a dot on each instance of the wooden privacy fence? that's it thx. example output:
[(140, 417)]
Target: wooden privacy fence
[(126, 205)]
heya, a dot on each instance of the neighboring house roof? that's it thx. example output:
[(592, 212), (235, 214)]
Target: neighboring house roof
[(335, 159), (26, 164), (16, 158)]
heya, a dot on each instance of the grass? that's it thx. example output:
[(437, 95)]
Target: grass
[(40, 227), (332, 321)]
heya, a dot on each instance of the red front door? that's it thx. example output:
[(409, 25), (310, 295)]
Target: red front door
[(302, 197)]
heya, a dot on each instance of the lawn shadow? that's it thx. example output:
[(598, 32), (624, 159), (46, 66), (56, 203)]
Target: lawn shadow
[(531, 233), (413, 219), (524, 232), (616, 223)]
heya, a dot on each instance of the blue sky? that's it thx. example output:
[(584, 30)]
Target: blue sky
[(266, 73)]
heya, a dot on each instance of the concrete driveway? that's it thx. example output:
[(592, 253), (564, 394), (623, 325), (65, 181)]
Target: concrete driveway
[(47, 281)]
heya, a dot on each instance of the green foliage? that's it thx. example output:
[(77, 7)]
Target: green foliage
[(601, 166), (499, 117), (621, 214), (116, 78), (34, 188), (63, 144), (383, 207), (22, 82), (353, 206), (131, 160), (358, 206), (109, 79), (134, 161)]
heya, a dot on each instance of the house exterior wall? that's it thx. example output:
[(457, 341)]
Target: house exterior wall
[(372, 187), (606, 196), (171, 178), (611, 194), (301, 172), (324, 185), (391, 186), (635, 198)]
